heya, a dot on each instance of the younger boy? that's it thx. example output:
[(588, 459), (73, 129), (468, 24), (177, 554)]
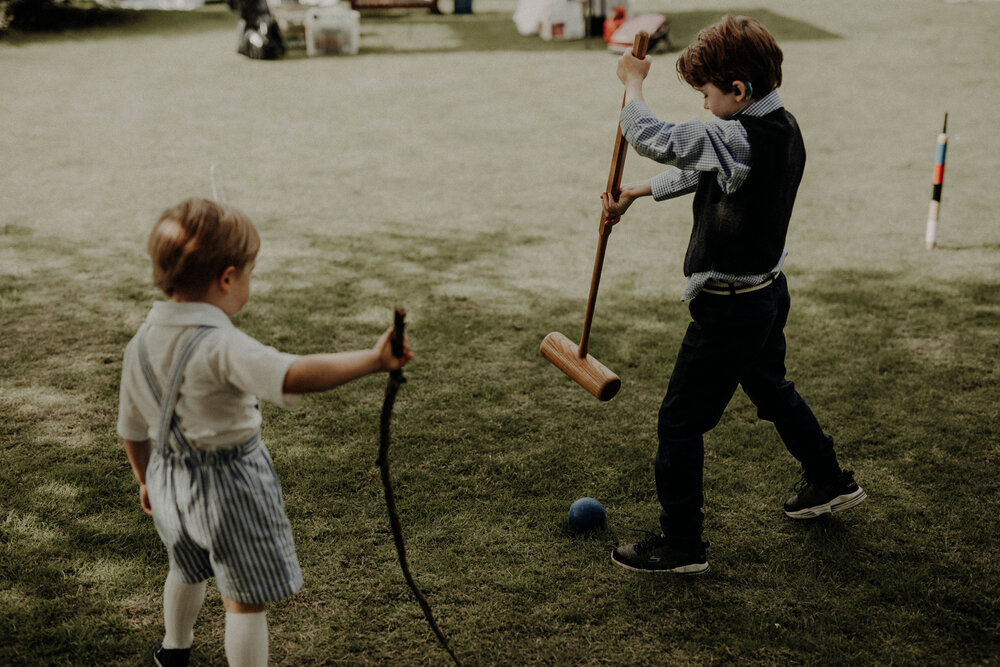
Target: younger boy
[(744, 169), (190, 418)]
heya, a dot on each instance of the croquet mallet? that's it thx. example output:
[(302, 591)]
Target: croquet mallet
[(571, 359)]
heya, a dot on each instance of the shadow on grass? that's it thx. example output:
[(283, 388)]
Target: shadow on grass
[(398, 31)]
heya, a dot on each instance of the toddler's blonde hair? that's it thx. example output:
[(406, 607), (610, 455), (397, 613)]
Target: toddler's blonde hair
[(194, 242)]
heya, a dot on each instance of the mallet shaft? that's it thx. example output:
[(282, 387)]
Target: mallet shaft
[(639, 47), (595, 283)]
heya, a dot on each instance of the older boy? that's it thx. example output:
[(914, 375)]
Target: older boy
[(744, 168), (190, 419)]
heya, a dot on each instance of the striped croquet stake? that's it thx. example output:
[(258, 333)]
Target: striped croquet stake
[(935, 208)]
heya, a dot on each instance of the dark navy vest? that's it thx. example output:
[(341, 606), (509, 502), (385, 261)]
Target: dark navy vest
[(744, 232)]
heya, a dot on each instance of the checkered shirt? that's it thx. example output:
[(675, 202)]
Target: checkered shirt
[(720, 146)]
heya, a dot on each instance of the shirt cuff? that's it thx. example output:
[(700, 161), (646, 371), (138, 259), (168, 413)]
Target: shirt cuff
[(290, 401), (132, 433), (272, 373), (287, 401), (673, 183), (660, 185)]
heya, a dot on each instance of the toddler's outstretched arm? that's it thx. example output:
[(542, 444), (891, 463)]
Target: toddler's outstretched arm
[(320, 372)]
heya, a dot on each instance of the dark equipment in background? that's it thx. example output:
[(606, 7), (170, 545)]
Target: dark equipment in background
[(260, 38)]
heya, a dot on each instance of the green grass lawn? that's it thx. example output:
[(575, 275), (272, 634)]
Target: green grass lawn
[(453, 167)]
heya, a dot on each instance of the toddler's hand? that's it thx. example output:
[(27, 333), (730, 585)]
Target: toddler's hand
[(387, 360)]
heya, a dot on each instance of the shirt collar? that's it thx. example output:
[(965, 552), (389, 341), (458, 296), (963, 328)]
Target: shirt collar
[(763, 106), (188, 314)]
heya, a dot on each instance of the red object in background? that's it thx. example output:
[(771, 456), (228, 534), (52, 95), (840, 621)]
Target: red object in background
[(655, 24), (613, 22)]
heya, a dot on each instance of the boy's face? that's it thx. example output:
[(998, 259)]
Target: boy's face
[(721, 104)]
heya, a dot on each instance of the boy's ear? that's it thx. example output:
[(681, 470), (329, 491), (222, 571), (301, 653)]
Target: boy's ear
[(743, 90), (226, 278)]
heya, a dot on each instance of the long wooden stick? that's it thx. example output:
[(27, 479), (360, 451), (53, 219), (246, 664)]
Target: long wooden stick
[(396, 378), (639, 47)]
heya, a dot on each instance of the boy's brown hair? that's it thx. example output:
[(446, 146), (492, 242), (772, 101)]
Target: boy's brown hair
[(735, 48), (194, 242)]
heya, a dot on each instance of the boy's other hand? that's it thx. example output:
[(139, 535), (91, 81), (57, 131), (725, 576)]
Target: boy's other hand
[(632, 70), (387, 360), (613, 210)]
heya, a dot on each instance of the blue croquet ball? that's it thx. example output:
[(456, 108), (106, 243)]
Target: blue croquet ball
[(587, 514)]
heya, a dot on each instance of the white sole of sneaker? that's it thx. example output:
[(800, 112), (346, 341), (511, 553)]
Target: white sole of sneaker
[(692, 569), (838, 504)]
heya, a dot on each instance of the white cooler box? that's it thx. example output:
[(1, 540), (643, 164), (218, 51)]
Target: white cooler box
[(332, 30), (562, 20)]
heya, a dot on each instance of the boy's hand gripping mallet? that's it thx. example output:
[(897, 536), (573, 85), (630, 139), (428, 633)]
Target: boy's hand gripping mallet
[(571, 359)]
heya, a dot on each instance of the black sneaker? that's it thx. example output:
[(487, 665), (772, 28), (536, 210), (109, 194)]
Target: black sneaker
[(171, 657), (653, 554), (812, 500)]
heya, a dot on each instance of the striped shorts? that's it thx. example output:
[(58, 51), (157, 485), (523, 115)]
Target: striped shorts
[(222, 514)]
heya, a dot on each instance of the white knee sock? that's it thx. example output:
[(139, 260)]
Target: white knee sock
[(181, 603), (246, 639)]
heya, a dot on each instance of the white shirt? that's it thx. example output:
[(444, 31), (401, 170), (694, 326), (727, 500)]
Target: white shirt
[(218, 406)]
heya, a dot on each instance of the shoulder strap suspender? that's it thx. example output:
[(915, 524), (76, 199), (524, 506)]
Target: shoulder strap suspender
[(167, 400)]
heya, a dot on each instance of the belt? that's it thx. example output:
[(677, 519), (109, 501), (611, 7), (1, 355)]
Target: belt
[(730, 289)]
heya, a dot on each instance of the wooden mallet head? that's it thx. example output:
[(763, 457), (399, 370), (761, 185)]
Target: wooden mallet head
[(588, 372)]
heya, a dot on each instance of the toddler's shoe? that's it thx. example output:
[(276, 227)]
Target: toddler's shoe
[(653, 554), (812, 500), (171, 657)]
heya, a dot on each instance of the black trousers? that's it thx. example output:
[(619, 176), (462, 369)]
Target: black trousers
[(733, 340)]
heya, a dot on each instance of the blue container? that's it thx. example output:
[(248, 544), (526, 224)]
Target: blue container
[(463, 6)]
